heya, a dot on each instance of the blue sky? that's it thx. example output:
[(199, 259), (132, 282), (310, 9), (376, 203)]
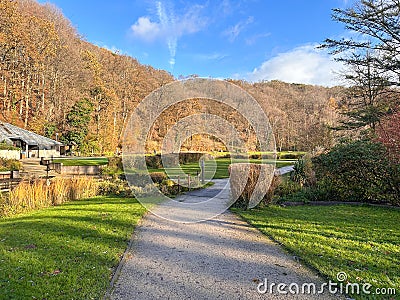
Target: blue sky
[(252, 40)]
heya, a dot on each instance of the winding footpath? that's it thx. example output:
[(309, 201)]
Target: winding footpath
[(222, 258)]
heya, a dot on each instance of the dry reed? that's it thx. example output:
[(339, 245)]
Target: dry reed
[(242, 188), (40, 193)]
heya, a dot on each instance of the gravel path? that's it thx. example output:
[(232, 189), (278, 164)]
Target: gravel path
[(222, 258), (284, 170)]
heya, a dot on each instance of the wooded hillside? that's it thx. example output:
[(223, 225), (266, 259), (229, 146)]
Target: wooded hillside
[(54, 82), (46, 67), (301, 115)]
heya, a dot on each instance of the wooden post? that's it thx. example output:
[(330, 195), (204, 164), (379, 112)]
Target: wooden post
[(202, 170)]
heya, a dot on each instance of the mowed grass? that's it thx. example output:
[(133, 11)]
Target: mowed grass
[(222, 167), (362, 241), (191, 168), (83, 161), (65, 252)]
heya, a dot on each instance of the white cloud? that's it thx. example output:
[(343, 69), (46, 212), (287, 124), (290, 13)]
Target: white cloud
[(347, 2), (145, 29), (113, 49), (170, 27), (192, 21), (211, 56), (253, 39), (304, 64), (233, 32), (226, 7)]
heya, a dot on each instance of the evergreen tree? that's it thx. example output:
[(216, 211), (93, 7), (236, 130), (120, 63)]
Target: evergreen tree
[(78, 120), (373, 58)]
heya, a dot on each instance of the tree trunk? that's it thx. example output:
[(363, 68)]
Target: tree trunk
[(43, 93), (21, 104), (5, 92), (27, 98)]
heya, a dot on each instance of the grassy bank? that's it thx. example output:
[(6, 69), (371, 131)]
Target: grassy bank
[(67, 251), (362, 241)]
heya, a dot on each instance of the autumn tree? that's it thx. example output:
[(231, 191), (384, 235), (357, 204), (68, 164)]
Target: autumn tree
[(46, 69)]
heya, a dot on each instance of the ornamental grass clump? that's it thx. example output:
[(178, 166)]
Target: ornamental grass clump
[(243, 188), (40, 193)]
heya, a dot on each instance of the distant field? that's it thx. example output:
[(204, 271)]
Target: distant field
[(222, 167), (191, 168), (282, 154), (82, 161)]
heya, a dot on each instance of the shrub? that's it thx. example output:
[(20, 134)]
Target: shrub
[(115, 162), (10, 164), (158, 177), (154, 161), (298, 196), (114, 167), (317, 192), (287, 187), (170, 188), (114, 187), (110, 171), (225, 155), (262, 156), (359, 171), (303, 172), (189, 157), (140, 185), (5, 146), (289, 155), (321, 191)]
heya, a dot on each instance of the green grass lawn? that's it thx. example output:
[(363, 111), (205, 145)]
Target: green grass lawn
[(222, 167), (65, 252), (83, 161), (362, 241)]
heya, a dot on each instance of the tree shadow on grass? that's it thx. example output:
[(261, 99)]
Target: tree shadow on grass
[(66, 251)]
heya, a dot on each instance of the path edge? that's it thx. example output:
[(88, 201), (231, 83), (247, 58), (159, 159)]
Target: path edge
[(124, 258), (290, 253)]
